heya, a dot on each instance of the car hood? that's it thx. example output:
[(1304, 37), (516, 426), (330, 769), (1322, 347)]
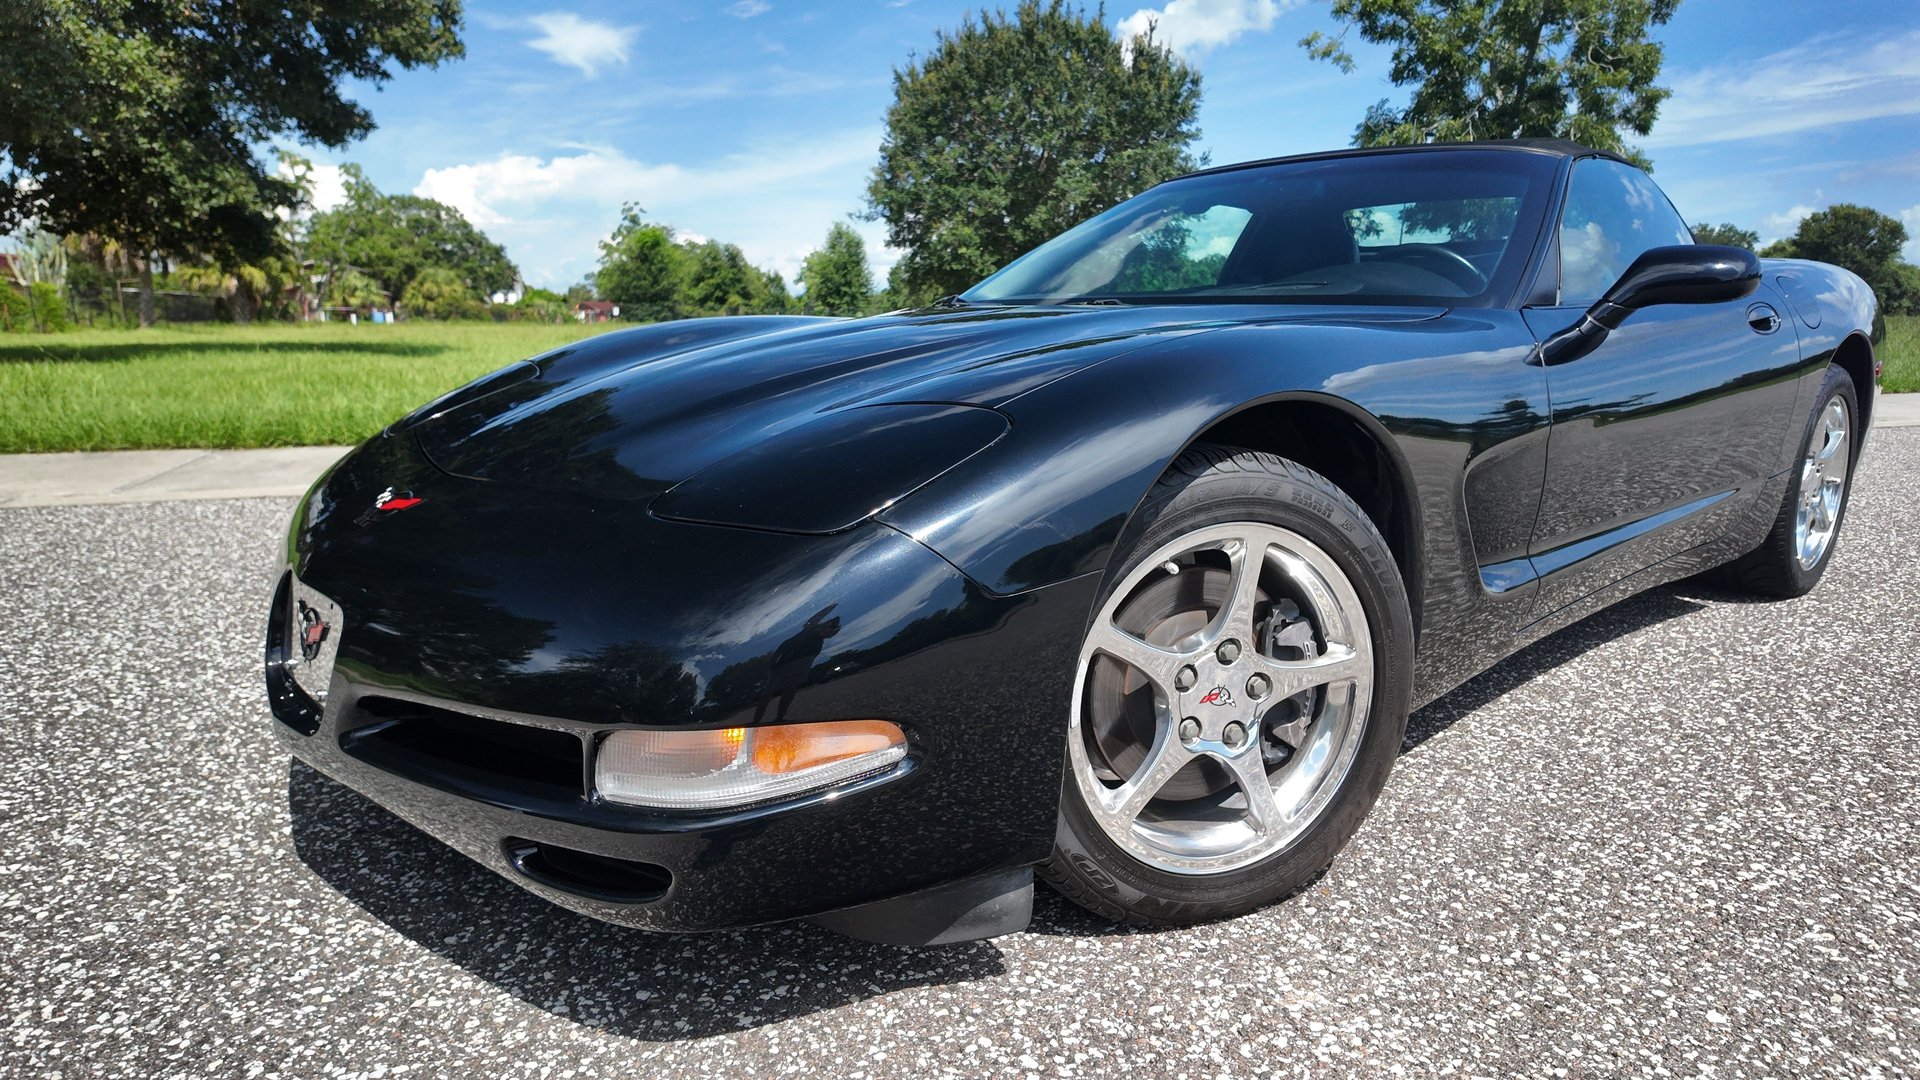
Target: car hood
[(632, 413)]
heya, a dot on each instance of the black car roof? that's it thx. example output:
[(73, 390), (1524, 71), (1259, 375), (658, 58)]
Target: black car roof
[(1552, 147)]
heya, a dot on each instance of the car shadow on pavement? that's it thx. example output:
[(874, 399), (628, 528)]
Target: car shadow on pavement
[(645, 985)]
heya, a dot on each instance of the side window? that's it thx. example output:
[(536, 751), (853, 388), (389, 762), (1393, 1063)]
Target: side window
[(1613, 213)]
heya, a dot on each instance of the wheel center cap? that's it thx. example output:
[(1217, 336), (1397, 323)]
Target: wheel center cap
[(1218, 696)]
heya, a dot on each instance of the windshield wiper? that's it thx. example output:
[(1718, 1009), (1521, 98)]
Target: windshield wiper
[(1096, 301), (953, 301)]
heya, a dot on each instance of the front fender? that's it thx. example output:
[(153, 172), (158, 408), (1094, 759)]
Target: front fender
[(1452, 398)]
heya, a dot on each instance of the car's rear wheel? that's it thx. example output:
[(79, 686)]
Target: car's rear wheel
[(1241, 695), (1795, 554)]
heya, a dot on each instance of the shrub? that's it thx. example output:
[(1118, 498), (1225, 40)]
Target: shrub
[(16, 313), (49, 310), (440, 293)]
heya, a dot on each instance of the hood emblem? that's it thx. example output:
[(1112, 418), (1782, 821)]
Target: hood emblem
[(1219, 695), (387, 502)]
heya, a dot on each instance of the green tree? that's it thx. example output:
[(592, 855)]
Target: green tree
[(1508, 69), (49, 311), (395, 237), (1015, 128), (351, 288), (139, 120), (717, 279), (771, 296), (40, 256), (1864, 241), (1728, 235), (900, 294), (438, 292), (538, 305), (640, 267), (836, 276), (16, 310), (247, 288)]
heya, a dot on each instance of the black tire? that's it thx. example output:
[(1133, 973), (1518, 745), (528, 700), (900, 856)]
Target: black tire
[(1211, 485), (1774, 568)]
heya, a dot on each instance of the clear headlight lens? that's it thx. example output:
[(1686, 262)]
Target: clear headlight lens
[(730, 767)]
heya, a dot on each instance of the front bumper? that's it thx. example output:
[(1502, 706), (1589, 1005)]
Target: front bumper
[(488, 612)]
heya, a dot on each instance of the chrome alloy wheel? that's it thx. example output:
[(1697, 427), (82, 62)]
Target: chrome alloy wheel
[(1823, 483), (1221, 697)]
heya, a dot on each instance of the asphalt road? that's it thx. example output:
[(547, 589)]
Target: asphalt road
[(1680, 838)]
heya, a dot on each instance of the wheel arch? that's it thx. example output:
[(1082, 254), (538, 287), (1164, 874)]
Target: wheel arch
[(1855, 357), (1344, 443)]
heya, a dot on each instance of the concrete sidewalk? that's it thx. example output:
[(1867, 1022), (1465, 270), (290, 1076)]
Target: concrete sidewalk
[(121, 476), (1898, 410)]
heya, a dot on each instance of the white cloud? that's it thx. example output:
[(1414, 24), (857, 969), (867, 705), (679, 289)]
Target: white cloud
[(1779, 226), (1190, 27), (582, 43), (1822, 83), (775, 200), (747, 9), (1910, 217), (329, 185)]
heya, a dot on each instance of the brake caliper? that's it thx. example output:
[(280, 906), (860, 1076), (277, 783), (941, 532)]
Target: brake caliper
[(1289, 637)]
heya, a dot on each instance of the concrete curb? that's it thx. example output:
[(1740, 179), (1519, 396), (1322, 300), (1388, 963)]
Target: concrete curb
[(1898, 410), (131, 476)]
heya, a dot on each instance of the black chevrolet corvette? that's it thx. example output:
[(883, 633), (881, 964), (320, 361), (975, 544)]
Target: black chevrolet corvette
[(1124, 567)]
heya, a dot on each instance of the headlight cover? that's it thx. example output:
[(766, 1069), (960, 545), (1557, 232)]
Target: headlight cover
[(734, 767), (835, 472)]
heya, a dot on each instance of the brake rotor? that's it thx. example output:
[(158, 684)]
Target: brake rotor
[(1122, 711)]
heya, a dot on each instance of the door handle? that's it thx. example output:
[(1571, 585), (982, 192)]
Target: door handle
[(1763, 318)]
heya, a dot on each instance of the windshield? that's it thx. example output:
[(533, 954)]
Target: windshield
[(1429, 227)]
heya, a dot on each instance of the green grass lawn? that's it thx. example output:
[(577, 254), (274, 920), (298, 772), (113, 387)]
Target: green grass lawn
[(242, 386), (1901, 354), (300, 385)]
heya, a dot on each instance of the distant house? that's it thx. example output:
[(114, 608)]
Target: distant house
[(511, 294), (595, 311)]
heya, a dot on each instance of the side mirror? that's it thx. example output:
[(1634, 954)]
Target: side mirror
[(1681, 274)]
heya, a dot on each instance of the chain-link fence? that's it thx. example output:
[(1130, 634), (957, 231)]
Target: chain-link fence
[(121, 307)]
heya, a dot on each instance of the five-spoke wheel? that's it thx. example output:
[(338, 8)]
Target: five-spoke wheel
[(1226, 682), (1823, 482), (1240, 697)]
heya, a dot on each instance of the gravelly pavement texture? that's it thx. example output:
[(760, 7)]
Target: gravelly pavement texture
[(1680, 838)]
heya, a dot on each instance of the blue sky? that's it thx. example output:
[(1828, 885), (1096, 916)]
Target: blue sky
[(757, 121)]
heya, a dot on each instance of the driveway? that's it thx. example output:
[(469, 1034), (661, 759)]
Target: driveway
[(1679, 838)]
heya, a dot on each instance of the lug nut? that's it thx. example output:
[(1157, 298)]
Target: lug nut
[(1189, 730), (1259, 686), (1185, 678), (1235, 735), (1229, 651)]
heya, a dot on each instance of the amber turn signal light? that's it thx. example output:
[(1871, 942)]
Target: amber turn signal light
[(727, 767)]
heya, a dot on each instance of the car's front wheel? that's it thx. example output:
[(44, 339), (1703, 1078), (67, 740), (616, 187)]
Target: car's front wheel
[(1241, 695)]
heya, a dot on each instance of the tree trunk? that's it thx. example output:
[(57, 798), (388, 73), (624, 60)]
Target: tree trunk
[(242, 303), (146, 292)]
